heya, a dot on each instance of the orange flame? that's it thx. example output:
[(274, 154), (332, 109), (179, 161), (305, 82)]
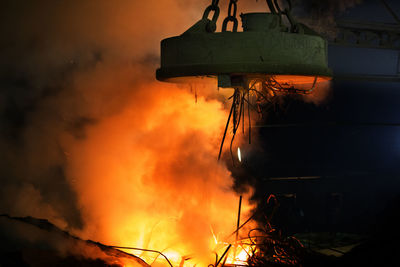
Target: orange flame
[(149, 177)]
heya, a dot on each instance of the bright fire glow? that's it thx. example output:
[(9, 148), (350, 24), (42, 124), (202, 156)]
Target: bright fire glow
[(239, 154), (149, 178), (239, 252)]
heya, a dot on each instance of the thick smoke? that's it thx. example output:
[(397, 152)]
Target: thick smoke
[(320, 15), (317, 14), (326, 9), (58, 248), (93, 143), (66, 65)]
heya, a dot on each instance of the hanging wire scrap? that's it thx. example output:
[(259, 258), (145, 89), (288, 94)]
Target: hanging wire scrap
[(236, 113), (274, 85), (268, 92)]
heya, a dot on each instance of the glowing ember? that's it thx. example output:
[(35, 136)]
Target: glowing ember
[(240, 253)]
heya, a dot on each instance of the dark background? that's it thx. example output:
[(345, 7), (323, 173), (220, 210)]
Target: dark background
[(348, 148)]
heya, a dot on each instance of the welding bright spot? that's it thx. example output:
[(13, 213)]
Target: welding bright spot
[(239, 155)]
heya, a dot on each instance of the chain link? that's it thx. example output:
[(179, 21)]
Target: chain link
[(232, 10), (232, 4), (276, 9), (213, 7)]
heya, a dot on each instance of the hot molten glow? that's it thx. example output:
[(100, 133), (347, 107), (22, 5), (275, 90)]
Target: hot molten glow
[(239, 154), (148, 177)]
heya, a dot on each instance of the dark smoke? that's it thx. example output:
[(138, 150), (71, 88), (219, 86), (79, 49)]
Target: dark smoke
[(58, 248), (89, 134), (65, 65), (320, 15)]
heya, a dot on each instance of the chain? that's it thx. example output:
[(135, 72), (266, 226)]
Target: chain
[(276, 9), (232, 10), (213, 7)]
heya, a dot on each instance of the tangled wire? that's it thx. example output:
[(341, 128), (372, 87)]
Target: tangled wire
[(270, 247), (257, 94)]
